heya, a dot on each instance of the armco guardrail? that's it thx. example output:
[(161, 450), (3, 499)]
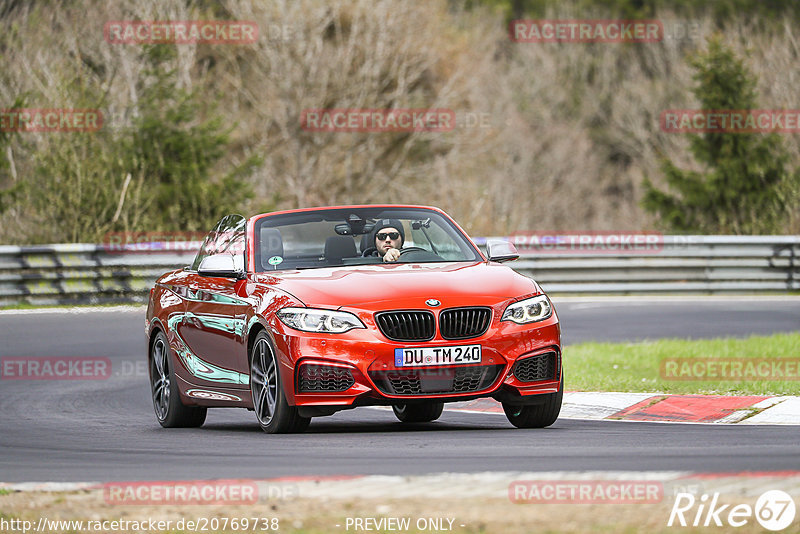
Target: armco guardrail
[(668, 264), (80, 273)]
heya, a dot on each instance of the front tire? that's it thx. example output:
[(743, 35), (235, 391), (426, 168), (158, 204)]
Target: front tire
[(538, 415), (273, 411), (170, 411), (418, 413)]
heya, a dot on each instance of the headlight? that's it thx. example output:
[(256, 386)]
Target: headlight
[(529, 310), (313, 320)]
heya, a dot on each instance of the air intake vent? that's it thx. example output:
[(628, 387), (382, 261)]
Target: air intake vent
[(536, 368), (463, 323), (313, 378), (412, 325), (436, 381)]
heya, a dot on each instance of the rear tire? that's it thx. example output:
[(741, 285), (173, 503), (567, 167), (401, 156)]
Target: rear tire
[(538, 415), (273, 411), (170, 411), (418, 413)]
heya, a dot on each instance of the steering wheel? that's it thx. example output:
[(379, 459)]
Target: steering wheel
[(412, 249), (412, 254), (426, 254)]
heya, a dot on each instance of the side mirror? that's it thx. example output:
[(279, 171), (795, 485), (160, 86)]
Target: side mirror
[(220, 265), (499, 250)]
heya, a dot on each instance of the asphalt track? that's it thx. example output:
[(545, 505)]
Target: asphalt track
[(104, 430)]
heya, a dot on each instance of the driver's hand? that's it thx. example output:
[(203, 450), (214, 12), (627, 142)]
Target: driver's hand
[(391, 255)]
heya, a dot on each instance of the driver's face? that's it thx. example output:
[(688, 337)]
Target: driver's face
[(385, 244)]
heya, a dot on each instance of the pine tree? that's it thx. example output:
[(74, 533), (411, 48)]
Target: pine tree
[(746, 188)]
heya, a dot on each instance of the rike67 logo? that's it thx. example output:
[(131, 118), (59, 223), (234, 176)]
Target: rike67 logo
[(774, 510)]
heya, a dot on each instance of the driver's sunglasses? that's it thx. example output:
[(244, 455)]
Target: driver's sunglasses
[(391, 235)]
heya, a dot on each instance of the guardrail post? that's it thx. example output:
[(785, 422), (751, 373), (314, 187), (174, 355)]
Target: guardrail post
[(776, 253)]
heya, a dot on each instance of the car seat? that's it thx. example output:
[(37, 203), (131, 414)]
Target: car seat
[(338, 247)]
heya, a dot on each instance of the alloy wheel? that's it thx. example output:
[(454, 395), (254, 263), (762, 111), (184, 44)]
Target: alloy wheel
[(264, 381), (160, 377)]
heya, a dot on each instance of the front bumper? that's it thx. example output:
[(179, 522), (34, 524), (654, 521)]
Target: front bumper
[(360, 366)]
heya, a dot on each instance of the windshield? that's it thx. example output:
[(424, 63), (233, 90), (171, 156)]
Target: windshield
[(346, 236)]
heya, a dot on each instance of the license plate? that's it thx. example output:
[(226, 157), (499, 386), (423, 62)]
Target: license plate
[(422, 356)]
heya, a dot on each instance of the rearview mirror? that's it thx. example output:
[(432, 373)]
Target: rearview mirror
[(499, 250), (221, 265)]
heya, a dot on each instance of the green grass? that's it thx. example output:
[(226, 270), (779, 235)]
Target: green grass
[(637, 367)]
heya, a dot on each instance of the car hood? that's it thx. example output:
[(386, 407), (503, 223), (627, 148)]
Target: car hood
[(402, 285)]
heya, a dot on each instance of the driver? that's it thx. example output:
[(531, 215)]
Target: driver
[(389, 238)]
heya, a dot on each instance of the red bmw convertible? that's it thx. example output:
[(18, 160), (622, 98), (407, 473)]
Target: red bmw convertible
[(299, 314)]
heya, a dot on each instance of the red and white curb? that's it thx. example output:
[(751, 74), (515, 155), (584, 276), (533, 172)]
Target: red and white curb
[(655, 407)]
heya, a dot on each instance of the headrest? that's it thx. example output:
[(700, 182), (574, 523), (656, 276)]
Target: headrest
[(338, 247)]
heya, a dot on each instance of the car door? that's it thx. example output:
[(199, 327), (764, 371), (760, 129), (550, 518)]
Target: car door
[(213, 325)]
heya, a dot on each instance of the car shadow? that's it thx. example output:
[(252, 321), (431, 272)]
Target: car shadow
[(366, 427)]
